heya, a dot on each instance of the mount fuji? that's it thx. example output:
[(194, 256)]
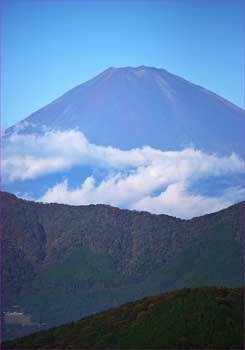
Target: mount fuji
[(131, 107), (140, 138)]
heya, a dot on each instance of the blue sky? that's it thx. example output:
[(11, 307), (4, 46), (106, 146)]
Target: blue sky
[(49, 47)]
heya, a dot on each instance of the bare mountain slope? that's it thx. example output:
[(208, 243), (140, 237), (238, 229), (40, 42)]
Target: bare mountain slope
[(131, 107)]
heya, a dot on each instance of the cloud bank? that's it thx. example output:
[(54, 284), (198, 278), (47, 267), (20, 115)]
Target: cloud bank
[(142, 178)]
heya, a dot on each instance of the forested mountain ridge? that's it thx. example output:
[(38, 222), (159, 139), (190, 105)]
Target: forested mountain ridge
[(99, 256)]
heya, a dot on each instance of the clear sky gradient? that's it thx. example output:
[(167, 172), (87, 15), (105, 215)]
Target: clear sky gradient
[(48, 47)]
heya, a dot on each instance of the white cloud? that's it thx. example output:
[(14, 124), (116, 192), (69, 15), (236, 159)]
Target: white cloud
[(31, 156), (176, 200), (133, 176)]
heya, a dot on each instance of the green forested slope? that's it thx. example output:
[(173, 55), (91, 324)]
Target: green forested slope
[(196, 318)]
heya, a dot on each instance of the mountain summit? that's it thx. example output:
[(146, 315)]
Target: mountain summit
[(131, 107), (88, 146)]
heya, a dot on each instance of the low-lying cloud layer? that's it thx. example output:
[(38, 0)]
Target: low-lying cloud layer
[(143, 178)]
